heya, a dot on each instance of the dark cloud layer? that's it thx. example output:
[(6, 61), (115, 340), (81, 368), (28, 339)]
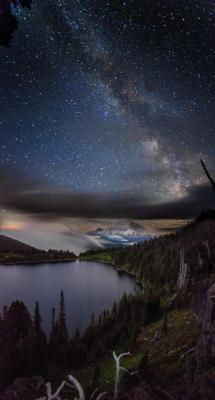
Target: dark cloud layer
[(17, 194)]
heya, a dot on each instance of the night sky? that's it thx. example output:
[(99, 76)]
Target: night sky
[(114, 99)]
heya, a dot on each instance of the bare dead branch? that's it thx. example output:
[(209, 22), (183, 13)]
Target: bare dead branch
[(207, 174), (118, 370)]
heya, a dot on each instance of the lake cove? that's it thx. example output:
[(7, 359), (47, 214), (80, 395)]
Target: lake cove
[(89, 287)]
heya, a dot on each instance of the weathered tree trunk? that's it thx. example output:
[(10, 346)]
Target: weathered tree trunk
[(208, 174), (118, 370), (182, 277)]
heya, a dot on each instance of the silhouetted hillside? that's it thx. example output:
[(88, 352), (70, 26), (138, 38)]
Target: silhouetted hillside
[(9, 245), (14, 251)]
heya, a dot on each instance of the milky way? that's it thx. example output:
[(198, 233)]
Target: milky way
[(110, 96)]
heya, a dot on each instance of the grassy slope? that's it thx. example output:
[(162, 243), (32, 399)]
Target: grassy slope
[(107, 371), (102, 256), (166, 366), (165, 358), (166, 361)]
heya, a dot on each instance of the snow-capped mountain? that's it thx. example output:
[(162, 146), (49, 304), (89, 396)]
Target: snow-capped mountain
[(122, 232)]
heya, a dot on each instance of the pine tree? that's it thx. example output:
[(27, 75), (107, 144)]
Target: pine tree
[(165, 323), (61, 334), (37, 354), (92, 319), (37, 319), (53, 327), (143, 366), (53, 319), (53, 337), (15, 325), (77, 334), (62, 328)]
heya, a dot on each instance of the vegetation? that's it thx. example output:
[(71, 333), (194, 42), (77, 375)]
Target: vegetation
[(106, 256), (137, 323), (155, 263), (166, 346), (13, 252), (155, 325), (25, 350)]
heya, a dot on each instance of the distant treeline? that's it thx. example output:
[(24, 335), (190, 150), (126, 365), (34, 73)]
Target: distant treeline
[(12, 251)]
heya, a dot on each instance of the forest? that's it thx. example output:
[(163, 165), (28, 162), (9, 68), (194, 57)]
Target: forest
[(15, 252), (154, 322)]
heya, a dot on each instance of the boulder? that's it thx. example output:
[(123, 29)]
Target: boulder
[(145, 392), (199, 298), (25, 389), (204, 387)]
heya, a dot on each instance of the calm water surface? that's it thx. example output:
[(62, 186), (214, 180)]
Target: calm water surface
[(88, 287)]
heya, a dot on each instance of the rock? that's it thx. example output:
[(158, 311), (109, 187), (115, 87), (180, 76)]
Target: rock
[(207, 339), (203, 305), (199, 298), (144, 392), (204, 387), (25, 389), (156, 337), (209, 318)]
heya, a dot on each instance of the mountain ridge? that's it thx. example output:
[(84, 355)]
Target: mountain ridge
[(122, 232), (9, 244), (14, 251)]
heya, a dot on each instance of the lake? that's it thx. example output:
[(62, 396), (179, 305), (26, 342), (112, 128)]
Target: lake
[(89, 287)]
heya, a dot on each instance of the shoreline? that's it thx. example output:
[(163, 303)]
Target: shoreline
[(118, 269), (36, 261)]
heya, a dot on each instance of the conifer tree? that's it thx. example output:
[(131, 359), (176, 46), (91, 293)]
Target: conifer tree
[(53, 326), (53, 318), (15, 326), (37, 355), (143, 366), (61, 333), (53, 340), (53, 337), (37, 319), (62, 328), (77, 334)]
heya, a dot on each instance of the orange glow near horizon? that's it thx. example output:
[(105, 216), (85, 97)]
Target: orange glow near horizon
[(12, 226)]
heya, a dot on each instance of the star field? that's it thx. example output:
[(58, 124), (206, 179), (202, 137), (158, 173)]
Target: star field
[(110, 96)]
